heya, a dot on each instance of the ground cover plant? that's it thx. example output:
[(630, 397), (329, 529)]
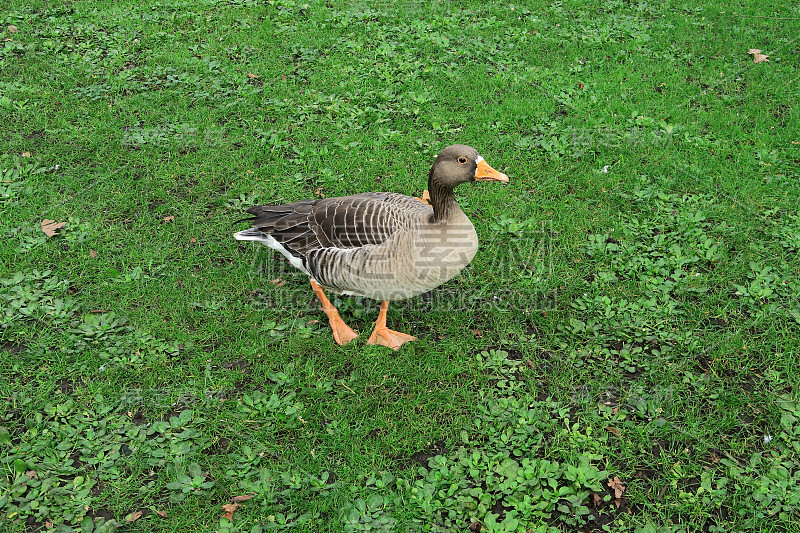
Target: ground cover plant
[(620, 356)]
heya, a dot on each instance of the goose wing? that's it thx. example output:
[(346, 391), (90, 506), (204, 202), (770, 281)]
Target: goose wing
[(345, 222)]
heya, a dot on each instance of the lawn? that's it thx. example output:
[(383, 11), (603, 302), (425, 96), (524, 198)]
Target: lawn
[(621, 355)]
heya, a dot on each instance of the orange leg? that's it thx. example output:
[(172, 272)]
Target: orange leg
[(385, 336), (426, 197), (342, 333)]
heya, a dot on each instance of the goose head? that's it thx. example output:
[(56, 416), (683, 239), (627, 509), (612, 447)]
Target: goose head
[(456, 164)]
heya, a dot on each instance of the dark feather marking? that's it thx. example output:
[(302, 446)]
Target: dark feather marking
[(309, 226)]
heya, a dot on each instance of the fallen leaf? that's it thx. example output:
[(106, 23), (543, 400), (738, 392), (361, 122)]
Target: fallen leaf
[(758, 57), (475, 527), (252, 76), (283, 77), (133, 516), (33, 474), (478, 333), (100, 310), (92, 253), (192, 240), (12, 29), (229, 508), (48, 524), (49, 227), (596, 499), (278, 282), (617, 486), (168, 218), (613, 431), (162, 514), (25, 154), (319, 192), (243, 497)]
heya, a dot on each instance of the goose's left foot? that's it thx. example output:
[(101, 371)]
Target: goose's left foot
[(385, 336), (342, 333)]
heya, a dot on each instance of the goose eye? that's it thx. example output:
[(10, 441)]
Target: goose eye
[(462, 160)]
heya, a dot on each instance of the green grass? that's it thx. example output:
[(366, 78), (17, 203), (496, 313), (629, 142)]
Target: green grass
[(631, 319)]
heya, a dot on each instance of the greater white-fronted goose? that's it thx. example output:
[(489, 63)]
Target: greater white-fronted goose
[(381, 245)]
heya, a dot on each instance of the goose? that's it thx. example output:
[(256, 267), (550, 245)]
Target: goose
[(380, 245)]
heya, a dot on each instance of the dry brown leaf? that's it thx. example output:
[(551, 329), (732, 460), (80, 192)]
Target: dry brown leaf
[(25, 154), (133, 516), (613, 431), (162, 514), (283, 77), (168, 218), (48, 524), (478, 333), (192, 240), (252, 76), (229, 508), (33, 474), (758, 57), (12, 29), (243, 497), (92, 253), (616, 485), (596, 500), (100, 310), (49, 227), (475, 527)]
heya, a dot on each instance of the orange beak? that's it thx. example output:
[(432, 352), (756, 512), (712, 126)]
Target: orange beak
[(486, 173)]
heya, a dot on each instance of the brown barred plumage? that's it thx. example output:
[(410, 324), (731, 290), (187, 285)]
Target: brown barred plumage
[(381, 245)]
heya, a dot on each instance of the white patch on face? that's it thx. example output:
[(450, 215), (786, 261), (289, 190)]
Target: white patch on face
[(478, 159)]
